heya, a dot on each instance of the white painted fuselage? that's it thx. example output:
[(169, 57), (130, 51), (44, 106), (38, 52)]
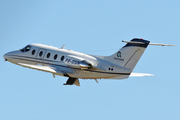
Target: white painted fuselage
[(76, 65), (67, 62)]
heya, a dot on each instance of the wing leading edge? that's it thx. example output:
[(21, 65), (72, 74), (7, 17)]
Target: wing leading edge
[(38, 67)]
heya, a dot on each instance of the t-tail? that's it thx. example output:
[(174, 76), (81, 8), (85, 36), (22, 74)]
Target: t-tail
[(129, 55)]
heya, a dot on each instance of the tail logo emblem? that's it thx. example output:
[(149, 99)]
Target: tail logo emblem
[(119, 54)]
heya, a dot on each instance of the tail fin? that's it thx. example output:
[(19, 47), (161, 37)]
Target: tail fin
[(129, 55)]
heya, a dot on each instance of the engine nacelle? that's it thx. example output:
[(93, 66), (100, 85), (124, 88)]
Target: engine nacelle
[(77, 62)]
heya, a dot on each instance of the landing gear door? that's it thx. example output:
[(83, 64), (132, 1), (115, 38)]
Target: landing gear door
[(40, 56)]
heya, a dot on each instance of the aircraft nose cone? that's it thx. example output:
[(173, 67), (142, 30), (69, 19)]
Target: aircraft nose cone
[(9, 56), (5, 57)]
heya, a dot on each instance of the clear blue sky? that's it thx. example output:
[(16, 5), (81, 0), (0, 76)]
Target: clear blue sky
[(88, 26)]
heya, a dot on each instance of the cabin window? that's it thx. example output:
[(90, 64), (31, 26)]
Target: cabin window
[(40, 54), (33, 52), (62, 58), (26, 49), (22, 50), (55, 57), (48, 55)]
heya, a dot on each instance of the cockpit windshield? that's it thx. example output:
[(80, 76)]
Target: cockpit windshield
[(26, 49)]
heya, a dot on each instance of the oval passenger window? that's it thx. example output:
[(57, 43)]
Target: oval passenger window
[(55, 57), (40, 54), (33, 52), (62, 58), (48, 55)]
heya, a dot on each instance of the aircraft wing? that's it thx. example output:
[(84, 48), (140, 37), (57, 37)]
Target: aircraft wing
[(55, 70), (140, 74), (51, 69)]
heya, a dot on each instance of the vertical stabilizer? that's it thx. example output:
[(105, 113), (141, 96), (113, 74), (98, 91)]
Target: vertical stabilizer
[(129, 55)]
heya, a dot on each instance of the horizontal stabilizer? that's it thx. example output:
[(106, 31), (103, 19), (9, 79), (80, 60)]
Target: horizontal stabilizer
[(140, 74), (149, 43), (161, 44)]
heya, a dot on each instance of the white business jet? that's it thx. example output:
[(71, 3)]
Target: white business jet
[(76, 65)]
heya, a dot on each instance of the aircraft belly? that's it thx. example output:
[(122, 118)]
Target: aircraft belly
[(93, 75)]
